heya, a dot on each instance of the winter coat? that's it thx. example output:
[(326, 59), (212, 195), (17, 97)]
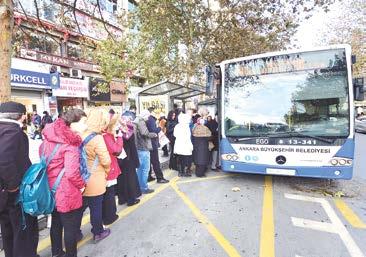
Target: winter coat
[(213, 127), (14, 154), (182, 133), (201, 135), (114, 147), (46, 120), (98, 179), (68, 195), (152, 127), (170, 129), (36, 119), (143, 136)]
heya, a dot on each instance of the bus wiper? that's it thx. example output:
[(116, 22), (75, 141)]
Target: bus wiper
[(299, 134), (241, 139)]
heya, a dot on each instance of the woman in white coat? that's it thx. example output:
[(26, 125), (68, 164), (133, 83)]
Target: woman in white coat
[(183, 146)]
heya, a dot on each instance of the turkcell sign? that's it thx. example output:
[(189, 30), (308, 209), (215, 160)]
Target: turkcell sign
[(31, 79)]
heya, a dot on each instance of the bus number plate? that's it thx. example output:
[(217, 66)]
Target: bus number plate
[(285, 172)]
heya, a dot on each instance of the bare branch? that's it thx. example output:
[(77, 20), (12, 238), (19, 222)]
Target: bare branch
[(103, 21), (76, 20), (41, 23)]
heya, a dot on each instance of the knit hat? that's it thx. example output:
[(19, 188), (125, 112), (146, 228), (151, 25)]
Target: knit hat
[(12, 107)]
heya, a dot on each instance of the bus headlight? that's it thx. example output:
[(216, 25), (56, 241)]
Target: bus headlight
[(230, 157), (338, 161)]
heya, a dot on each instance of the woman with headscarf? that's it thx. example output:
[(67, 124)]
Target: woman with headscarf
[(99, 164), (114, 145), (183, 145), (201, 135), (128, 188)]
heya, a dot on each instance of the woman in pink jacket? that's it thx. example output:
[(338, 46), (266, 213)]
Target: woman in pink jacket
[(114, 145), (67, 213)]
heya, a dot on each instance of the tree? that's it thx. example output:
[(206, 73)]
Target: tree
[(349, 27), (177, 38), (6, 28)]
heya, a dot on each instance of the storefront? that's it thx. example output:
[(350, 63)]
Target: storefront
[(72, 93), (31, 84)]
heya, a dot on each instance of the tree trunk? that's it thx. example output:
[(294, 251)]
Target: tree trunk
[(6, 28)]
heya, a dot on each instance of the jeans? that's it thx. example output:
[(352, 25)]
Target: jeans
[(143, 169), (155, 163), (95, 204), (214, 155), (70, 223), (18, 242)]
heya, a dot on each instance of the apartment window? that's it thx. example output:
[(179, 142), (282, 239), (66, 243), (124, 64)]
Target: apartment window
[(43, 43), (74, 50)]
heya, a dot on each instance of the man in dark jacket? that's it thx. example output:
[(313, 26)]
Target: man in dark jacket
[(14, 161), (36, 121), (154, 153), (46, 119)]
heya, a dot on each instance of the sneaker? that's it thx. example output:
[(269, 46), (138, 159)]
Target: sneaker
[(101, 236), (148, 191), (134, 202), (162, 181)]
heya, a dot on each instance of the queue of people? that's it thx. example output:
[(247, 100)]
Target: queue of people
[(99, 155)]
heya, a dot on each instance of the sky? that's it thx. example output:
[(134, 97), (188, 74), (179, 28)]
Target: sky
[(310, 30)]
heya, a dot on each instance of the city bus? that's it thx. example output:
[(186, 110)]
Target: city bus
[(289, 113)]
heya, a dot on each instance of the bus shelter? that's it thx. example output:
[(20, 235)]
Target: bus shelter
[(164, 94)]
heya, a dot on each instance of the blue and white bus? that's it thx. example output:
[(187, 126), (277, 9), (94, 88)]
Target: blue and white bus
[(288, 113)]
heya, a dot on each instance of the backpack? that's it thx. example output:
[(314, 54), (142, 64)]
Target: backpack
[(35, 195), (84, 170)]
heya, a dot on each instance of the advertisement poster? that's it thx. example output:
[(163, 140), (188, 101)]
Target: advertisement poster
[(160, 103)]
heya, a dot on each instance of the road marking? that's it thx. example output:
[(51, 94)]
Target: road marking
[(349, 214), (204, 179), (335, 226), (225, 244), (267, 245), (45, 243)]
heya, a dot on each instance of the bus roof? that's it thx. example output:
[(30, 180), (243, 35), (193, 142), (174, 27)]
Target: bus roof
[(293, 51)]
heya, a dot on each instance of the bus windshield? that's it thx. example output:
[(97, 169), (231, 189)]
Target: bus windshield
[(306, 93)]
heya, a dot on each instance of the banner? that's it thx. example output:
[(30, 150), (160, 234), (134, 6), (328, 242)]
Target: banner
[(99, 90), (31, 79), (72, 88), (118, 91), (160, 103)]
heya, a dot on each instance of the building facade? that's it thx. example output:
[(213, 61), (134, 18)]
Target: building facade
[(53, 68)]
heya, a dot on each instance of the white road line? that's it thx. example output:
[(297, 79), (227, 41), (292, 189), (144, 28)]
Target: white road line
[(336, 223)]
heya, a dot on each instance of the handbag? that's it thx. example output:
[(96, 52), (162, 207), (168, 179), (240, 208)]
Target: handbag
[(210, 146)]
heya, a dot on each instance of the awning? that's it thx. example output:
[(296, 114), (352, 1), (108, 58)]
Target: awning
[(174, 90)]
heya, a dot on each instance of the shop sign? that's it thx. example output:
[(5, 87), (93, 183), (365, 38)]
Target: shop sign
[(99, 90), (72, 88), (118, 91), (58, 60), (32, 79), (160, 103)]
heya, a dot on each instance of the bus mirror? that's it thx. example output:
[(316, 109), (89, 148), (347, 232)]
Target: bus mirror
[(358, 86), (354, 59)]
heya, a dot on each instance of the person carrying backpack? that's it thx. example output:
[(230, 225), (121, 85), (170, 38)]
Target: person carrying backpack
[(14, 161), (68, 196), (99, 165)]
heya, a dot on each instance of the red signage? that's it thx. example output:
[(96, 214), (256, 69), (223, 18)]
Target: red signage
[(58, 60)]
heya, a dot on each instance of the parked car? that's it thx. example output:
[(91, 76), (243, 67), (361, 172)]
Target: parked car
[(360, 125)]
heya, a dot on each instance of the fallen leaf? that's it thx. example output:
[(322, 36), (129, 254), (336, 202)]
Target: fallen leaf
[(235, 189)]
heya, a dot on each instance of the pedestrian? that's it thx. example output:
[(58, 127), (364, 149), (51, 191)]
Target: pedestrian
[(144, 145), (183, 145), (67, 214), (162, 125), (128, 187), (131, 112), (201, 135), (213, 126), (172, 121), (14, 162), (154, 153), (99, 163), (36, 124), (114, 143)]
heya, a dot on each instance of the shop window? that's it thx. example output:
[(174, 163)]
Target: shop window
[(42, 43)]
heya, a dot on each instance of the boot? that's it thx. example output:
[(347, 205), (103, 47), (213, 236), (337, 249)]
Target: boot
[(188, 172)]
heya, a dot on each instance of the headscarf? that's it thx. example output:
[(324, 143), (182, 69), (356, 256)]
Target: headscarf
[(127, 127)]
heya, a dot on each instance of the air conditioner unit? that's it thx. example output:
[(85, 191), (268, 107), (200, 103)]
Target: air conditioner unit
[(74, 73)]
